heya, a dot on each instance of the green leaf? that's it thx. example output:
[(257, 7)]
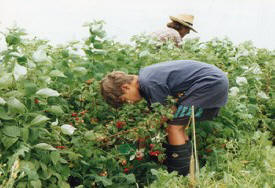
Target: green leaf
[(125, 149), (57, 73), (25, 134), (15, 106), (12, 131), (39, 119), (29, 168), (30, 88), (36, 184), (98, 52), (154, 172), (40, 55), (104, 180), (57, 110), (124, 70), (22, 150), (13, 39), (19, 71), (55, 156), (63, 184), (8, 141), (44, 146), (80, 70), (45, 80), (22, 59), (46, 172), (63, 161), (2, 101), (6, 80), (73, 156), (14, 94), (47, 92), (67, 129), (22, 185), (144, 53), (4, 116), (130, 178), (90, 135), (19, 152), (33, 134)]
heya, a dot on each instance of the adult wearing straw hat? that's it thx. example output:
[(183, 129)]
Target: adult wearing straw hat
[(179, 26)]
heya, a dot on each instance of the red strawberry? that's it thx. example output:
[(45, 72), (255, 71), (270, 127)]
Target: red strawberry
[(120, 124), (74, 114), (139, 158), (126, 170), (60, 147), (154, 153), (36, 101), (76, 118)]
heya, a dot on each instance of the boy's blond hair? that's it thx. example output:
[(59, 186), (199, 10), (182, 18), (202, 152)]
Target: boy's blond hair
[(111, 87)]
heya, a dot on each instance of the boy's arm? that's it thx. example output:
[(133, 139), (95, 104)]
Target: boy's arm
[(155, 93)]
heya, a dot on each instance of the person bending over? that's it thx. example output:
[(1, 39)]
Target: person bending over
[(199, 84)]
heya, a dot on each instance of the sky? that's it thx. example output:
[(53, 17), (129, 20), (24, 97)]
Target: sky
[(61, 21)]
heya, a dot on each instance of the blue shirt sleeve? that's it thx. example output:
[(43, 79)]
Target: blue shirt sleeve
[(155, 93)]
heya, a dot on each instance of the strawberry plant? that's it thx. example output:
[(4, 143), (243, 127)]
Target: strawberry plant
[(56, 130)]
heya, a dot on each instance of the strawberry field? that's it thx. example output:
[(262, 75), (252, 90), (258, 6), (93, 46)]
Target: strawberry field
[(56, 130)]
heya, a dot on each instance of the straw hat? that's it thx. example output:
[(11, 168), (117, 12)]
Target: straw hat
[(184, 19)]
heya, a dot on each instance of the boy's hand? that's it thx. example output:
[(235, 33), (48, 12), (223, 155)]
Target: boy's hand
[(174, 109)]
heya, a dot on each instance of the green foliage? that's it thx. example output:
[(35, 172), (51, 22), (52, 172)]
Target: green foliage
[(57, 131)]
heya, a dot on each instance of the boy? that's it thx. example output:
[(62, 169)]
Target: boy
[(204, 86)]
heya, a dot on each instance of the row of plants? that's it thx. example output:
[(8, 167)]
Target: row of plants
[(56, 130)]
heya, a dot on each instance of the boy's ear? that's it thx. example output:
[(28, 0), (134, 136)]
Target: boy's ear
[(124, 87)]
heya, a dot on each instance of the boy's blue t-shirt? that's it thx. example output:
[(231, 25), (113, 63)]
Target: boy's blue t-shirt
[(203, 85)]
